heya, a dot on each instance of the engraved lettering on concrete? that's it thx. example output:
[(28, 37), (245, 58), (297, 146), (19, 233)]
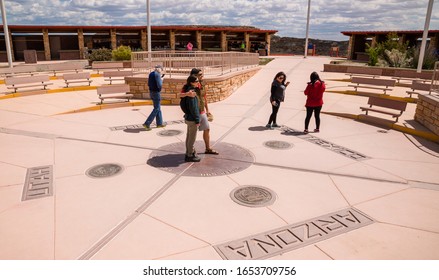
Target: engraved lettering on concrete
[(137, 126), (38, 183), (325, 144), (291, 237)]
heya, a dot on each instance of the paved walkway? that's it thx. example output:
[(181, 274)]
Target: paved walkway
[(352, 191)]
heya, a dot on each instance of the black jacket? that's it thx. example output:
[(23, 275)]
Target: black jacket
[(277, 92)]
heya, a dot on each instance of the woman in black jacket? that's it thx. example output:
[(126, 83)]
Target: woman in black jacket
[(277, 96)]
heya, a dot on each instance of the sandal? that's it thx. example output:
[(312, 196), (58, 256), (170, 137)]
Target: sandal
[(211, 152)]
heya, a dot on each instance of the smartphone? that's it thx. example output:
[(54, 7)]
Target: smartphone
[(163, 75)]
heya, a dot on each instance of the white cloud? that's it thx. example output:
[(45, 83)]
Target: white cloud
[(328, 17)]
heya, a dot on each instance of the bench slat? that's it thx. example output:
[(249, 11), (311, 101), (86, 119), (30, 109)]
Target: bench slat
[(25, 82), (114, 91), (385, 103)]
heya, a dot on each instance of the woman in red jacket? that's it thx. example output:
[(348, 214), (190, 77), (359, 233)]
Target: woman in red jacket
[(314, 100)]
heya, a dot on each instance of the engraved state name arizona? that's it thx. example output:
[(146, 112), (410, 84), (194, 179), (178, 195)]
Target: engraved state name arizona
[(294, 236)]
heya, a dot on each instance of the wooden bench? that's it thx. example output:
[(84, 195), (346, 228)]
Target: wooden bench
[(371, 83), (99, 65), (411, 75), (117, 75), (418, 86), (63, 67), (30, 81), (114, 91), (385, 103), (82, 77), (364, 71), (25, 70)]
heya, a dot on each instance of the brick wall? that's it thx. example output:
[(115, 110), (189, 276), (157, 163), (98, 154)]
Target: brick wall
[(217, 88), (427, 112)]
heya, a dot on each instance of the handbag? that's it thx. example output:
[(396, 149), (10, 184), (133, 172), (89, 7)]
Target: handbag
[(209, 117)]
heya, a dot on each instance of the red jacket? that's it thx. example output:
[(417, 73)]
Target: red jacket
[(314, 94)]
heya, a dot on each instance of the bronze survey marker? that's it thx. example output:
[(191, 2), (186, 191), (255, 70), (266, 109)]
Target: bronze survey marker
[(253, 196), (104, 170), (278, 145), (287, 238), (231, 159)]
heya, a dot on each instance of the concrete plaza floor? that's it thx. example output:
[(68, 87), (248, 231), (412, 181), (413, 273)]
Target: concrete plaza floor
[(352, 191)]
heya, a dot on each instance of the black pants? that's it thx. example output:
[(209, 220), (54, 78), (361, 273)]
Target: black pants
[(273, 115), (309, 111)]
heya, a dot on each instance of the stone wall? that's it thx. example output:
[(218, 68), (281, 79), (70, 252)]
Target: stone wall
[(427, 111), (217, 88), (387, 71)]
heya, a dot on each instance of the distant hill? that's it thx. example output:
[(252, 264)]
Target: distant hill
[(289, 45)]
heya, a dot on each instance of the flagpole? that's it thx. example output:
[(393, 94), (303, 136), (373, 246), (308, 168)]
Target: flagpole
[(424, 36), (307, 28), (148, 14), (6, 32)]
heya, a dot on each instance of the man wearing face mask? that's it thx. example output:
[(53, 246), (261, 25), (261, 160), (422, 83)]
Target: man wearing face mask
[(155, 81)]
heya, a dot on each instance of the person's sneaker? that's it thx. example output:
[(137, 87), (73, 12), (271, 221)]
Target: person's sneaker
[(269, 126), (316, 130), (305, 131), (193, 158), (147, 127), (275, 125), (161, 125)]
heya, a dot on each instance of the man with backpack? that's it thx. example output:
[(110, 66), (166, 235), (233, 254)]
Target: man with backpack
[(189, 105), (155, 81)]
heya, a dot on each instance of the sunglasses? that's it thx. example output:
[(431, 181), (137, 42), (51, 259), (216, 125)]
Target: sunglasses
[(281, 77)]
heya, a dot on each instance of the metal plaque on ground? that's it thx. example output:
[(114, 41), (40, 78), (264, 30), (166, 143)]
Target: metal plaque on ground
[(169, 132), (253, 196), (231, 159), (278, 145), (104, 170)]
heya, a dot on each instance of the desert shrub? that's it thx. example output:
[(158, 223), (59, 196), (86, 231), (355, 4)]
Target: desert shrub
[(430, 57), (389, 53), (397, 58), (122, 53), (102, 54)]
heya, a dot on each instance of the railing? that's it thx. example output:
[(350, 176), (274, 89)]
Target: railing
[(180, 63)]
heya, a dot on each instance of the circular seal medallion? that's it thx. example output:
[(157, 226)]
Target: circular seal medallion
[(278, 145), (231, 159), (253, 196), (170, 132), (104, 170)]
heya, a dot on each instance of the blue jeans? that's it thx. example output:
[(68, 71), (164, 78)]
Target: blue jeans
[(156, 112)]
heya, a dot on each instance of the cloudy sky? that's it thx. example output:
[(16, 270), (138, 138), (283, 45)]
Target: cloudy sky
[(328, 17)]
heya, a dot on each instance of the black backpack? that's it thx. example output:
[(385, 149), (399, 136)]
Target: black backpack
[(184, 101), (184, 104)]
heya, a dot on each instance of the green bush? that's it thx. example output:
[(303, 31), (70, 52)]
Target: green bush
[(122, 53), (373, 55), (100, 55), (389, 52)]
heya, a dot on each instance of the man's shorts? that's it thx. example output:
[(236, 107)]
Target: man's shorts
[(204, 123)]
